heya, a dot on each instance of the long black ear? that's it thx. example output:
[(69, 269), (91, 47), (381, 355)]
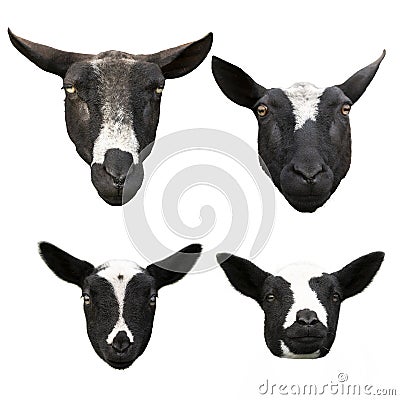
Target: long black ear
[(65, 266), (355, 86), (244, 276), (357, 275), (45, 57), (236, 84), (181, 60), (176, 266)]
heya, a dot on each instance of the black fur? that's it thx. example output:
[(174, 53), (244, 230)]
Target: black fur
[(308, 164)]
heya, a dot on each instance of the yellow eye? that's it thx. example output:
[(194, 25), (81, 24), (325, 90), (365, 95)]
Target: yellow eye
[(346, 109), (159, 90), (262, 110), (70, 89), (153, 300), (336, 298), (86, 299)]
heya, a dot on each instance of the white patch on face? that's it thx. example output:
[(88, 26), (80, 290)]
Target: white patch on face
[(299, 275), (286, 353), (116, 130), (305, 98), (119, 273)]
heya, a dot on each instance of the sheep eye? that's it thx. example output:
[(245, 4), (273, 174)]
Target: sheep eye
[(69, 89), (270, 298), (336, 298), (153, 300), (159, 90), (346, 109), (86, 299), (262, 110)]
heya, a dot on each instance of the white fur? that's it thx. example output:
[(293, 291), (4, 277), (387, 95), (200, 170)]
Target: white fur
[(286, 353), (116, 130), (305, 98), (299, 275), (112, 271)]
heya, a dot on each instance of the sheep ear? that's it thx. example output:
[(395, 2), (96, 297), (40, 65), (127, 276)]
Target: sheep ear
[(49, 59), (181, 60), (66, 267), (174, 267), (244, 276), (355, 86), (357, 275), (236, 84)]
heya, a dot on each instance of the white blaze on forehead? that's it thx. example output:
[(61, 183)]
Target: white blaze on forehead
[(119, 273), (299, 275), (117, 126), (305, 98)]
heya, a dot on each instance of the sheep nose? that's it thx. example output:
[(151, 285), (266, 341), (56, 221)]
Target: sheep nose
[(308, 172), (121, 342), (306, 317), (117, 164), (118, 181)]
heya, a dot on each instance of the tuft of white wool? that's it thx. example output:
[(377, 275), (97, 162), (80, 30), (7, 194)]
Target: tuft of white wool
[(305, 98)]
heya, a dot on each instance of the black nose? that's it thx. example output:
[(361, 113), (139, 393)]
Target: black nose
[(118, 180), (308, 172), (306, 317), (121, 342), (117, 164)]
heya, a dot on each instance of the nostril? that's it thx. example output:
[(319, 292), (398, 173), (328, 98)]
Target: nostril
[(120, 347), (307, 317), (309, 174), (118, 180)]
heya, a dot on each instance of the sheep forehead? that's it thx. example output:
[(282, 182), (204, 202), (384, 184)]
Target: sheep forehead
[(304, 98), (119, 271), (304, 297), (112, 74)]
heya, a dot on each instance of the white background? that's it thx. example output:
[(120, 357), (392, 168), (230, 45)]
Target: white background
[(207, 339)]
